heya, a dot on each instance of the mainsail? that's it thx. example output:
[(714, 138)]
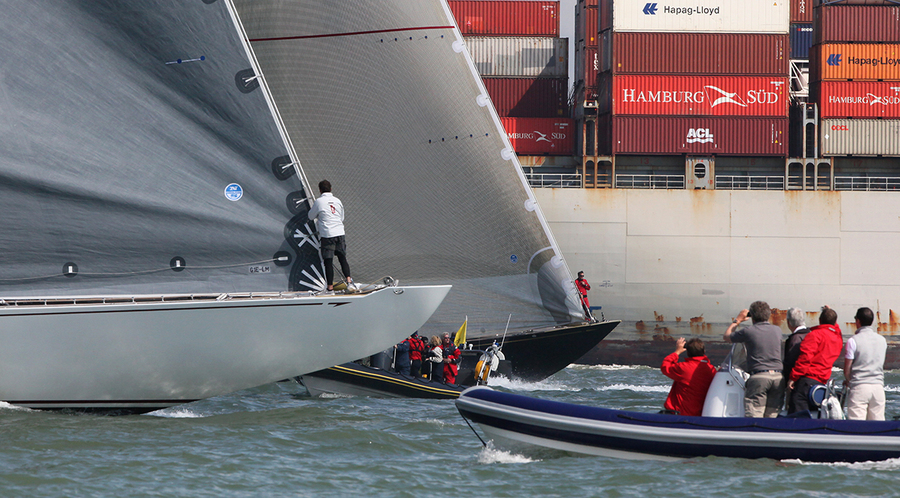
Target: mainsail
[(137, 153), (382, 99)]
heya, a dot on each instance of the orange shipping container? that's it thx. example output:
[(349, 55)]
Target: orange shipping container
[(845, 61)]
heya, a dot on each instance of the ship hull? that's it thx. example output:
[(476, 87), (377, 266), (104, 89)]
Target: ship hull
[(143, 356), (672, 263), (537, 354)]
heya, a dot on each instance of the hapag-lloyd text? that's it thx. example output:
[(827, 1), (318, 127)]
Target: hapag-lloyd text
[(689, 11)]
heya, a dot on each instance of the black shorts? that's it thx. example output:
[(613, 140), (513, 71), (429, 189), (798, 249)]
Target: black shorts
[(332, 245)]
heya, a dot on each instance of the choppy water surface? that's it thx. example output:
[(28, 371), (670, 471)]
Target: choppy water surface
[(277, 441)]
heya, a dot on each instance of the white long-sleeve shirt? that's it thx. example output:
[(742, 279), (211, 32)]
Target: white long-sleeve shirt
[(330, 212)]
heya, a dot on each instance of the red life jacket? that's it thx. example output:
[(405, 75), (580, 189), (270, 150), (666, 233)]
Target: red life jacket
[(416, 348)]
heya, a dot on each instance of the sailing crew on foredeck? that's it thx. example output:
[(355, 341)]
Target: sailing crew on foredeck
[(329, 210)]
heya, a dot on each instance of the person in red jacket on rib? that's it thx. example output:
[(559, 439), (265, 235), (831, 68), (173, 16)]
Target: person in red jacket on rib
[(818, 352), (692, 377)]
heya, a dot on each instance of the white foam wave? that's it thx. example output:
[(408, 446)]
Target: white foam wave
[(521, 385), (334, 396), (890, 464), (434, 421), (891, 389), (489, 455), (176, 413), (632, 387), (608, 367), (6, 406)]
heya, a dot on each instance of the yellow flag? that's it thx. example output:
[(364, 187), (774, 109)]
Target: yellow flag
[(460, 338)]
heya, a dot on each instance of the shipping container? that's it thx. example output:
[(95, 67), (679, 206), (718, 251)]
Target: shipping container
[(591, 29), (801, 11), (507, 18), (529, 97), (857, 99), (857, 23), (888, 3), (801, 41), (694, 53), (860, 137), (658, 135), (586, 67), (541, 136), (849, 61), (697, 16), (515, 56), (588, 3), (665, 95)]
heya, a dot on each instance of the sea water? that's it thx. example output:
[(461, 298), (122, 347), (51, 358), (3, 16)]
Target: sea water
[(276, 440)]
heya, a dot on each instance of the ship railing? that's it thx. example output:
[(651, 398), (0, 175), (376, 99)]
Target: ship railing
[(148, 298), (867, 183), (728, 182), (650, 181), (554, 180)]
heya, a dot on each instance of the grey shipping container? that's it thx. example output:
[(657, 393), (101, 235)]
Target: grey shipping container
[(519, 56), (860, 137)]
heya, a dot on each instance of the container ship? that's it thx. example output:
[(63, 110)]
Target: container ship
[(709, 154)]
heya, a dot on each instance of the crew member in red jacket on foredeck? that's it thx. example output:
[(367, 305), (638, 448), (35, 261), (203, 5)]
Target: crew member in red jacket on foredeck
[(583, 286), (818, 352), (692, 377)]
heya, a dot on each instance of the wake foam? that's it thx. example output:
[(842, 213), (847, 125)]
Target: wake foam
[(489, 455), (632, 387), (176, 413), (6, 406), (521, 385), (891, 464)]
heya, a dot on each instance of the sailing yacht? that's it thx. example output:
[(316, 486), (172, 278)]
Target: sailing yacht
[(155, 247)]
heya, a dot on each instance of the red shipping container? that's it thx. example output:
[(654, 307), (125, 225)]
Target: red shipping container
[(801, 11), (541, 136), (857, 23), (696, 53), (586, 26), (591, 31), (655, 95), (857, 99), (507, 18), (529, 97), (658, 135)]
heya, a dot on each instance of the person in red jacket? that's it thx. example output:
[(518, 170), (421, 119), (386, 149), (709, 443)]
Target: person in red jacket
[(416, 349), (818, 352), (451, 358), (583, 286), (692, 377)]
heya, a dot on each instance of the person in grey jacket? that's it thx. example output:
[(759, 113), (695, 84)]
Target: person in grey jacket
[(864, 369), (764, 390)]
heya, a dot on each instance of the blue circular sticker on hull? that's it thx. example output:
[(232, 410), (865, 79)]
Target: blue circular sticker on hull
[(514, 259), (234, 192)]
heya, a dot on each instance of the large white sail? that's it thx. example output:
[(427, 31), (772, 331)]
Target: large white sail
[(382, 99)]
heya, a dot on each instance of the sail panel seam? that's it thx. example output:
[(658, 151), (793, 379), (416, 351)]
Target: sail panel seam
[(354, 33)]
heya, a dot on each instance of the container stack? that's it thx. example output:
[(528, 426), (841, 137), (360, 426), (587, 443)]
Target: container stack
[(801, 29), (707, 77), (855, 73), (524, 64)]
